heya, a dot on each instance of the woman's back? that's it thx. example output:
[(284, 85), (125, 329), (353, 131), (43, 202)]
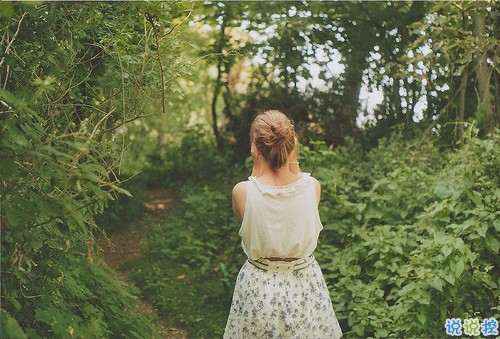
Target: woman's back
[(280, 221)]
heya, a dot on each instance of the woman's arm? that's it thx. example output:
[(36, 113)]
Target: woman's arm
[(318, 189), (239, 198)]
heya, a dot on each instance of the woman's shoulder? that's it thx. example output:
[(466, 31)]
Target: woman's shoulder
[(316, 181), (309, 177), (239, 199), (317, 188), (240, 188)]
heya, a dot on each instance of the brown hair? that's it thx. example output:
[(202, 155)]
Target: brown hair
[(274, 136)]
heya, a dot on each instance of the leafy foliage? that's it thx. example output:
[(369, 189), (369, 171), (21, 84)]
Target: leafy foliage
[(60, 120), (317, 61), (188, 265), (410, 239), (192, 258), (413, 238), (411, 232)]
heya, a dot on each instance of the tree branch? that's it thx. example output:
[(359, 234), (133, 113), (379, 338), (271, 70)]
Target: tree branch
[(162, 73), (9, 45)]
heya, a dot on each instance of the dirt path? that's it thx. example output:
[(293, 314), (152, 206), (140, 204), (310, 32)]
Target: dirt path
[(125, 244)]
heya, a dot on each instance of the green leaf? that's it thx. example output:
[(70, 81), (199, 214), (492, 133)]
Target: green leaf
[(12, 298), (422, 318), (450, 278), (11, 328), (15, 102), (6, 9), (442, 189), (492, 244), (397, 249), (36, 243), (465, 59), (8, 167), (75, 214), (123, 191), (16, 134), (381, 333), (476, 197), (446, 250), (436, 283), (459, 268), (12, 216)]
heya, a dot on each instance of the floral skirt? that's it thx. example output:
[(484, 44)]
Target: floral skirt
[(281, 300)]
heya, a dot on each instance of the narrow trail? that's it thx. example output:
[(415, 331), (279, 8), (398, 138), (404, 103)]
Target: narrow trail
[(125, 244)]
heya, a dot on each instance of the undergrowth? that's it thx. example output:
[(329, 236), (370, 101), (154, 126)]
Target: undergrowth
[(410, 239), (190, 261), (411, 236), (188, 266)]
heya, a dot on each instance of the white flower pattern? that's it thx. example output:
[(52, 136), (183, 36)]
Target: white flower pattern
[(277, 300)]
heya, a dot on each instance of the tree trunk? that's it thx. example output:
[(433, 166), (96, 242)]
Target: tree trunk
[(462, 94), (459, 130), (345, 120), (219, 49), (484, 112)]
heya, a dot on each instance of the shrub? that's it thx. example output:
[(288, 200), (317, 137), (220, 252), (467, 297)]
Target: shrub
[(413, 240)]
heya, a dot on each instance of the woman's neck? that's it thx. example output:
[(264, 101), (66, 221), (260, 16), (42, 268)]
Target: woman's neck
[(281, 176)]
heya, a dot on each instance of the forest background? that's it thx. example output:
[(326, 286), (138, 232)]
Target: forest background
[(397, 108)]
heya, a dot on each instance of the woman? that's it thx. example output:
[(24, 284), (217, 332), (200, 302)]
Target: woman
[(280, 291)]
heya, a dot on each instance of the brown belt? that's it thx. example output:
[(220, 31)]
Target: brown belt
[(282, 259), (281, 265)]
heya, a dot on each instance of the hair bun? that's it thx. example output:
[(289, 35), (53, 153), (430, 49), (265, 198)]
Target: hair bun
[(277, 128), (274, 136), (280, 132)]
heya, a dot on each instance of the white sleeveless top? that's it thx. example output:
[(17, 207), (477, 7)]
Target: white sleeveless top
[(280, 221)]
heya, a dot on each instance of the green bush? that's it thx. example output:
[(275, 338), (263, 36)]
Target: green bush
[(192, 260), (412, 238), (193, 159), (60, 116), (52, 286)]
